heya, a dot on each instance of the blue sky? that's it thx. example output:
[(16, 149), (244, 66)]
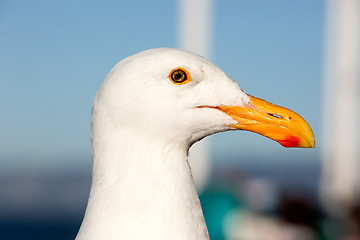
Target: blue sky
[(54, 55)]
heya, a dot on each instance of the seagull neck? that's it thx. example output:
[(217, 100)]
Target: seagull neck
[(123, 152), (144, 183)]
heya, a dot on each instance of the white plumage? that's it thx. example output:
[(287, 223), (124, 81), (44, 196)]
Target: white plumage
[(143, 125)]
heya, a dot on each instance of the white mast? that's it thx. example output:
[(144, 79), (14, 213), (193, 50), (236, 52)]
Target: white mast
[(340, 153), (195, 34)]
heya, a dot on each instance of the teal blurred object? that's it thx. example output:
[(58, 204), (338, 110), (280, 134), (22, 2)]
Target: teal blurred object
[(216, 204)]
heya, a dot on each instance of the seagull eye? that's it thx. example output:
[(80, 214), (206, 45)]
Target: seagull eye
[(179, 76)]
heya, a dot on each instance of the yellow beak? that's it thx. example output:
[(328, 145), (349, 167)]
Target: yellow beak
[(277, 123)]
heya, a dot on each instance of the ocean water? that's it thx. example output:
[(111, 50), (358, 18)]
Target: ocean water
[(51, 205), (49, 229)]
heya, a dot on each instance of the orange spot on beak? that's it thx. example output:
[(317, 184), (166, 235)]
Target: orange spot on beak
[(290, 141)]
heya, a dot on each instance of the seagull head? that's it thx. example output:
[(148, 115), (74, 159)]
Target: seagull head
[(176, 96)]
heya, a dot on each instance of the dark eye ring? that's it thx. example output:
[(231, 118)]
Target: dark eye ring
[(179, 76)]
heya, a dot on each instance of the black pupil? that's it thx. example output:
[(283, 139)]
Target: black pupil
[(179, 76)]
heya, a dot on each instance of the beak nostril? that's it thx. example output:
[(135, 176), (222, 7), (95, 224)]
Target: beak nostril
[(275, 115)]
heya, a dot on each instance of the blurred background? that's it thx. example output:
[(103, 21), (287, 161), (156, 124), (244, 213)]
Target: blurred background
[(303, 55)]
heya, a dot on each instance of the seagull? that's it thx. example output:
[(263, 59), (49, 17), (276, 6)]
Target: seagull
[(150, 109)]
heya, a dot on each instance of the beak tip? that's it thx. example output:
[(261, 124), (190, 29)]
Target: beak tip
[(310, 145), (313, 144), (310, 140)]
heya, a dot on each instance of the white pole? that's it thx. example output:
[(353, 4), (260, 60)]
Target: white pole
[(196, 26), (195, 35), (340, 153)]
